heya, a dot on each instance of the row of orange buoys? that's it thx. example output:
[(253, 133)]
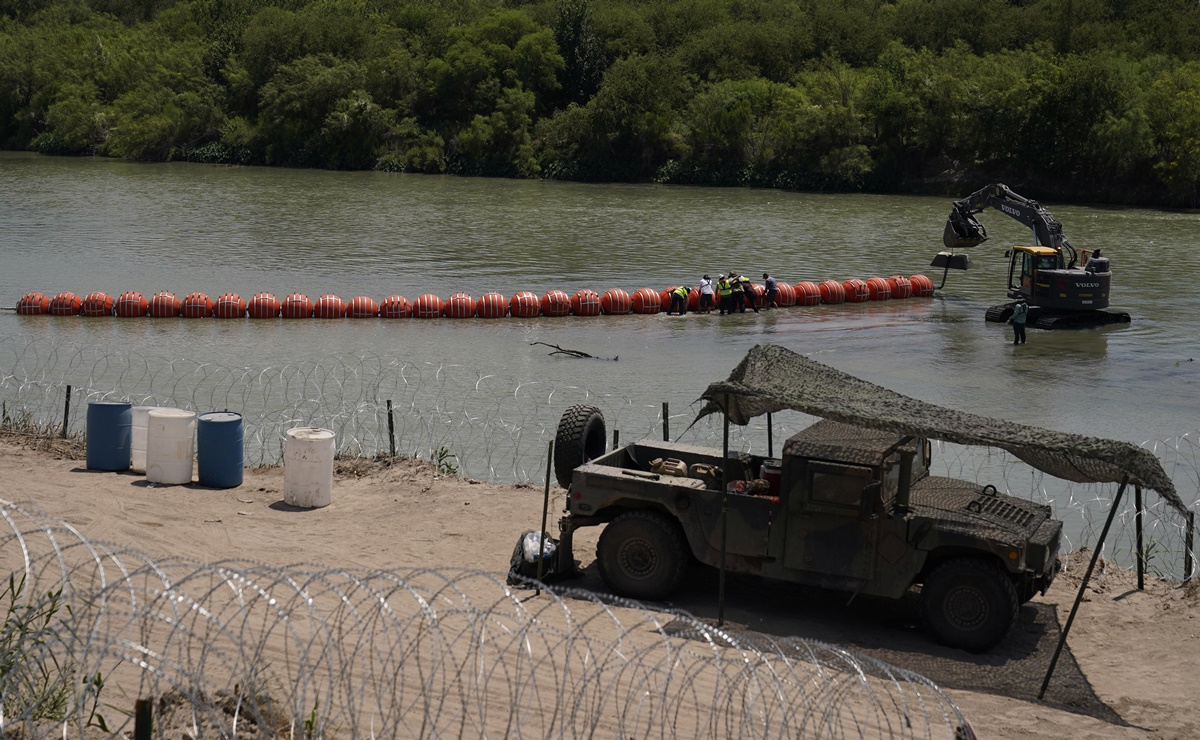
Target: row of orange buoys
[(523, 304)]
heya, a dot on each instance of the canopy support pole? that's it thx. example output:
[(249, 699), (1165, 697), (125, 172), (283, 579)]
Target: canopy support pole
[(1062, 640), (1141, 553), (770, 437), (724, 519)]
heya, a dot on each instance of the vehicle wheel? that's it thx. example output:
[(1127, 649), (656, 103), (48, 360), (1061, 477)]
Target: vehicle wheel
[(581, 437), (969, 603), (999, 314), (642, 555)]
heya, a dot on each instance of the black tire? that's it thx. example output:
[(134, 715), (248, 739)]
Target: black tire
[(642, 555), (969, 603), (999, 314), (581, 437)]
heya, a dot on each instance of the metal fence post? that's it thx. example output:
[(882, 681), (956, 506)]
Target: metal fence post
[(1137, 522), (391, 428), (666, 422), (66, 412)]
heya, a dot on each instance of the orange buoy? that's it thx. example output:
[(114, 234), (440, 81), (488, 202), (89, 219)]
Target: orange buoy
[(646, 301), (296, 306), (362, 307), (196, 306), (427, 306), (901, 286), (164, 305), (585, 303), (556, 304), (879, 289), (97, 304), (693, 301), (664, 298), (832, 292), (491, 305), (229, 306), (263, 306), (810, 294), (66, 304), (132, 305), (616, 302), (856, 291), (395, 307), (524, 305), (760, 294), (786, 297), (459, 306), (329, 306), (922, 287), (33, 304)]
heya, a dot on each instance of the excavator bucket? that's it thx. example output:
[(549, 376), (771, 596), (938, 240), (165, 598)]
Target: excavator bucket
[(963, 230)]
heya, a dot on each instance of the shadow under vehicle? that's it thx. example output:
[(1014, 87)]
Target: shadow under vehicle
[(851, 505)]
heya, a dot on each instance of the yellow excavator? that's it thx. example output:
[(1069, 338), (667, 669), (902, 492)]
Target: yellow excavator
[(1064, 287)]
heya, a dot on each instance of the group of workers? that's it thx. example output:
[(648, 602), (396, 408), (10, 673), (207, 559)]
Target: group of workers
[(732, 292)]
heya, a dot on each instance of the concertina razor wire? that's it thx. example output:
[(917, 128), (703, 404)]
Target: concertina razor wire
[(496, 428), (245, 649)]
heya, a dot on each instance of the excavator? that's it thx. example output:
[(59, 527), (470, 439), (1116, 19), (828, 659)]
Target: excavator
[(1064, 287)]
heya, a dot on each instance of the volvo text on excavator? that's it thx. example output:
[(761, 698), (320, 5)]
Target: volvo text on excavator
[(1065, 287)]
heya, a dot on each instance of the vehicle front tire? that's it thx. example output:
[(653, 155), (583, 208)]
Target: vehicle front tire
[(581, 437), (969, 603), (642, 555)]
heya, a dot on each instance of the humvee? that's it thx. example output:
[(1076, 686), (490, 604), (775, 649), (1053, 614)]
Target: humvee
[(845, 508)]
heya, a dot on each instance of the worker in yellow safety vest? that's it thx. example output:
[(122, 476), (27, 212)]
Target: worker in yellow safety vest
[(679, 298), (724, 295)]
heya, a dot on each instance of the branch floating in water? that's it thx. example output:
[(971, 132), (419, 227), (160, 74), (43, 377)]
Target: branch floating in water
[(572, 352)]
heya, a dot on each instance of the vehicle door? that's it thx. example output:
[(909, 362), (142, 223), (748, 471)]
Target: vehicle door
[(833, 527)]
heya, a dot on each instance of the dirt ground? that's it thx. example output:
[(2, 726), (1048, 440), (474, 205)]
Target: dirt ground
[(1128, 671)]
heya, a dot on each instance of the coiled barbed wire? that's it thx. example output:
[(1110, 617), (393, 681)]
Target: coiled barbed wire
[(496, 428), (246, 649)]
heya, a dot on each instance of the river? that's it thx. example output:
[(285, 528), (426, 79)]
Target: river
[(95, 224)]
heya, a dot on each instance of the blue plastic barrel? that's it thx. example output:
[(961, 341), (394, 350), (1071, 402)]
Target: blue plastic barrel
[(219, 449), (109, 435)]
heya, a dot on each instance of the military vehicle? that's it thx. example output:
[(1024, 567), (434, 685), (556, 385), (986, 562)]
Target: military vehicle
[(846, 508)]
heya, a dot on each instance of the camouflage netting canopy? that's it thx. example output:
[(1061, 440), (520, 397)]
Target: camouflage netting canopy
[(772, 378)]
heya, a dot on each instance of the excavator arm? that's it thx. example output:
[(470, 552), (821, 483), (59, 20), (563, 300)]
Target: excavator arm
[(964, 230)]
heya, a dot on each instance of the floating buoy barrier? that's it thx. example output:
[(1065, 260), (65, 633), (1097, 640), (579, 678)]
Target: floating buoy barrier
[(491, 305), (97, 304), (165, 305), (922, 287), (616, 302), (585, 303), (832, 292), (901, 286), (428, 306), (362, 307), (524, 305), (459, 306), (296, 306), (33, 304), (196, 306), (646, 301), (556, 304), (808, 294), (878, 289), (263, 306), (395, 307), (65, 304), (229, 306)]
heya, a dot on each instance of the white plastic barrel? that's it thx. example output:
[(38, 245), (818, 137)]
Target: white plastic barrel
[(141, 420), (308, 467), (170, 444)]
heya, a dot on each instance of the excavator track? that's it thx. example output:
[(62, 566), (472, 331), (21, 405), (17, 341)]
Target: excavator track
[(999, 314), (1079, 319)]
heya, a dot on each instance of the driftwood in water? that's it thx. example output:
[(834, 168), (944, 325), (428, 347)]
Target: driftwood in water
[(572, 352)]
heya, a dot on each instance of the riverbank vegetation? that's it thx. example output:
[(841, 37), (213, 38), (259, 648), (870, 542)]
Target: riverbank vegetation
[(1069, 99)]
